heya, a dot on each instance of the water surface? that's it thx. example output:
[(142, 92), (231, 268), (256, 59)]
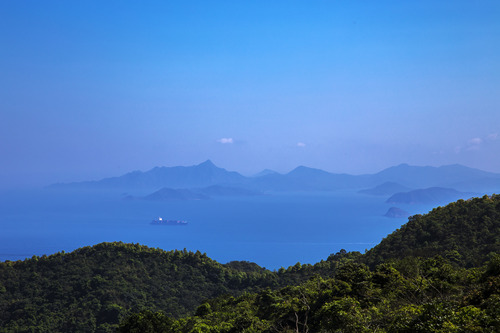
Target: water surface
[(274, 230)]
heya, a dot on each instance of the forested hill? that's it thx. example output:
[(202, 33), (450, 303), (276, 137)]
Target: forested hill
[(464, 232), (92, 288), (96, 286), (409, 295)]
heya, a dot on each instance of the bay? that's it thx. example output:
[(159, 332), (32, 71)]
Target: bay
[(274, 230)]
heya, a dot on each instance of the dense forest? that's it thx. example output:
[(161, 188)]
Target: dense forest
[(464, 232), (92, 288), (440, 272), (409, 295)]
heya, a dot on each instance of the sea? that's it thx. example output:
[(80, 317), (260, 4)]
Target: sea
[(273, 230)]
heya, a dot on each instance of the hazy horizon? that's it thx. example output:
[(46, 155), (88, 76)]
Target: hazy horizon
[(93, 89), (24, 186), (222, 167)]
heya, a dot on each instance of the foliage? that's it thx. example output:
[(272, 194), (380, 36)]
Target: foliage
[(94, 288), (97, 286), (434, 296), (465, 232)]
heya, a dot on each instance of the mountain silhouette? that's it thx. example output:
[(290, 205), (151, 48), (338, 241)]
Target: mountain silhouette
[(201, 175), (387, 188), (301, 178), (432, 195)]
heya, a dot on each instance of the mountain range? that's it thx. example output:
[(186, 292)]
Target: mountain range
[(170, 194), (387, 188), (385, 182), (428, 196), (201, 175)]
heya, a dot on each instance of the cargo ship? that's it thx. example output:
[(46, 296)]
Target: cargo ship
[(160, 221)]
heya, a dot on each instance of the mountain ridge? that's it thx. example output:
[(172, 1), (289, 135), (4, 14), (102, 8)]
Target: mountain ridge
[(428, 196), (200, 175), (301, 178)]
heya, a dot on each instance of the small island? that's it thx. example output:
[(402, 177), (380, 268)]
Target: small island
[(395, 212)]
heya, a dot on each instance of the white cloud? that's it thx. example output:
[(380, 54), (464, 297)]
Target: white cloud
[(474, 144), (493, 136), (301, 144), (475, 141), (225, 140)]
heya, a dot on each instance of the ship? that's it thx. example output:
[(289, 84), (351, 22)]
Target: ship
[(161, 221)]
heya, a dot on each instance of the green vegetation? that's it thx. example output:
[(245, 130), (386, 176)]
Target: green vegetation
[(410, 295), (465, 232), (398, 286), (96, 286), (93, 288)]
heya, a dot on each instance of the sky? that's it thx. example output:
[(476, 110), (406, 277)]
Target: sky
[(92, 89)]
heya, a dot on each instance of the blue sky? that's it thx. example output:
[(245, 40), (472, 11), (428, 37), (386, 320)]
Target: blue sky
[(92, 89)]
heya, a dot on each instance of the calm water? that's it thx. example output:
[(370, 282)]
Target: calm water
[(273, 230)]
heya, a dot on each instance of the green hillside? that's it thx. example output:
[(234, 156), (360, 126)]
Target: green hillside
[(96, 286), (465, 232), (411, 295), (93, 288)]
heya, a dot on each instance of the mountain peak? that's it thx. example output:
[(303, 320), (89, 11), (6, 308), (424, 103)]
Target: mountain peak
[(303, 170), (265, 172), (207, 164)]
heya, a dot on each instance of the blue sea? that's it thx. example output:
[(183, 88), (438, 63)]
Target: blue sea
[(273, 230)]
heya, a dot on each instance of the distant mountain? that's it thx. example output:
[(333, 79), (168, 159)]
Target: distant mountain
[(274, 182), (167, 194), (432, 195), (486, 185), (225, 191), (422, 177), (322, 180), (265, 172), (309, 179), (387, 188), (201, 175), (300, 179), (386, 182), (395, 212), (204, 193)]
